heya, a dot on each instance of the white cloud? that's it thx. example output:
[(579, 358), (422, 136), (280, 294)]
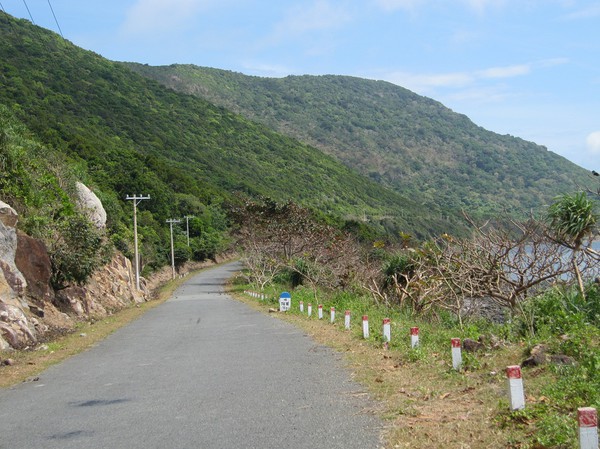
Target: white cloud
[(321, 15), (593, 142), (505, 72), (266, 69), (589, 12), (479, 6), (393, 5), (470, 81), (153, 16), (425, 83)]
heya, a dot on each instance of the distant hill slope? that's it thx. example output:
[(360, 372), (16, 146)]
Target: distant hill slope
[(404, 141), (133, 135)]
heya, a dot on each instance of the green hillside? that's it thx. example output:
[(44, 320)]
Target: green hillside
[(404, 141), (132, 135)]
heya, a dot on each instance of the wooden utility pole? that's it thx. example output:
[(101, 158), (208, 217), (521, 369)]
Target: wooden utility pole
[(136, 200)]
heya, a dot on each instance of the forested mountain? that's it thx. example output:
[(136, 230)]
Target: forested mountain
[(129, 134), (404, 141)]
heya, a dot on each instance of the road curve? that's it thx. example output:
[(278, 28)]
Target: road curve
[(200, 371)]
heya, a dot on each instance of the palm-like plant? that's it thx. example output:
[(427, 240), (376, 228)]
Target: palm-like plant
[(573, 219)]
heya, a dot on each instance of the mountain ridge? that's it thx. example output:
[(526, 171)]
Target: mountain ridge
[(412, 144), (131, 134)]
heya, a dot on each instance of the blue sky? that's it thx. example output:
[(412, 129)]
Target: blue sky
[(529, 68)]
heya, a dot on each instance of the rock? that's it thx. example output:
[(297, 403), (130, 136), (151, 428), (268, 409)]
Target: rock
[(561, 359), (13, 282), (470, 345), (537, 356), (14, 327), (8, 362), (8, 216), (36, 310), (33, 261), (71, 300), (91, 205), (4, 346)]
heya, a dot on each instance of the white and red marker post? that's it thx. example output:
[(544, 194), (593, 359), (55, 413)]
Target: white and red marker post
[(332, 315), (365, 320), (456, 354), (515, 387), (320, 311), (301, 306), (414, 337), (309, 309), (387, 332), (588, 427), (347, 319)]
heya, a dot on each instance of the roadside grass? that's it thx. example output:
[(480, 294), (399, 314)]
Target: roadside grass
[(424, 403), (27, 364)]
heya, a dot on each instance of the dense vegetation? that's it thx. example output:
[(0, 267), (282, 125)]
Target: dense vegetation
[(404, 141), (132, 135)]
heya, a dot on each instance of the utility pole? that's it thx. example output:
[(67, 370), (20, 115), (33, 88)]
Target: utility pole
[(187, 227), (171, 221), (136, 200)]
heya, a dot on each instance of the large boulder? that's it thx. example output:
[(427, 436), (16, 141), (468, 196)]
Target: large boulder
[(8, 248), (91, 205), (8, 216), (33, 262), (14, 327)]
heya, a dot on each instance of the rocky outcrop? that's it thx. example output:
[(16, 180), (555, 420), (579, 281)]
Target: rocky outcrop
[(30, 310), (91, 205), (14, 283), (110, 288), (29, 307), (14, 327), (33, 261)]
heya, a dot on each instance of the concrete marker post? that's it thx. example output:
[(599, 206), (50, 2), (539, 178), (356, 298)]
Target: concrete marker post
[(387, 333), (414, 337), (332, 314), (320, 311), (309, 309), (301, 306), (365, 320), (456, 354), (588, 427), (285, 302), (515, 387), (347, 320)]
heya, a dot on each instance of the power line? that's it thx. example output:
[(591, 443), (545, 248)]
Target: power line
[(54, 15), (27, 7)]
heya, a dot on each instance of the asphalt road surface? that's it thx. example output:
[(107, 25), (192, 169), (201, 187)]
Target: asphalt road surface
[(200, 371)]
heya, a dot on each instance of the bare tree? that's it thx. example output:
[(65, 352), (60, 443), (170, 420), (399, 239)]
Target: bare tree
[(492, 266), (274, 236)]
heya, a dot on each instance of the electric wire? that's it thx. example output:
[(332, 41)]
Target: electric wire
[(30, 16), (12, 27), (54, 15)]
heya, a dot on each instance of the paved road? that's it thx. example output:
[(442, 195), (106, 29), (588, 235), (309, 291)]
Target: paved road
[(200, 371)]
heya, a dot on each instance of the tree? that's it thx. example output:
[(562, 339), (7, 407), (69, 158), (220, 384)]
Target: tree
[(573, 221), (275, 237)]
